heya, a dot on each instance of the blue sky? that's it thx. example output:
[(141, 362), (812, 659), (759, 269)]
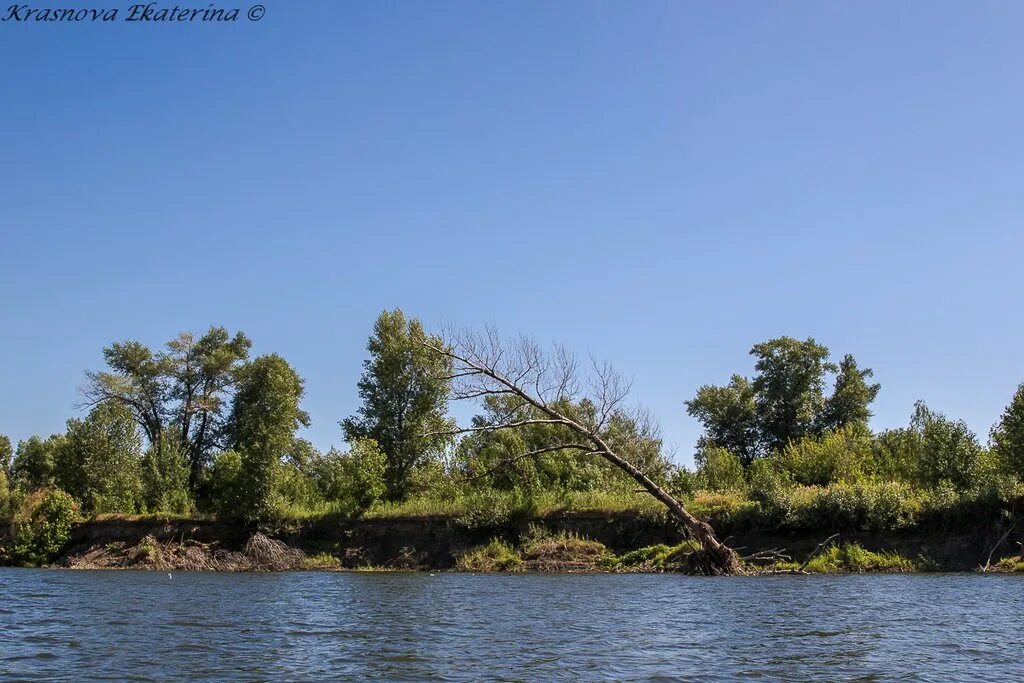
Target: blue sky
[(663, 184)]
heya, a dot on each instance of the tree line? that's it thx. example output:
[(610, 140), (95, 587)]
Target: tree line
[(200, 425)]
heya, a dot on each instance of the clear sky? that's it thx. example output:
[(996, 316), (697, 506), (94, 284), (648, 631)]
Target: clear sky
[(663, 184)]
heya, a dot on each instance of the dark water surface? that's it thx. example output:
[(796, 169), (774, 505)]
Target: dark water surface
[(125, 625)]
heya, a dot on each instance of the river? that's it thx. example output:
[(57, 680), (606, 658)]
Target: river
[(147, 626)]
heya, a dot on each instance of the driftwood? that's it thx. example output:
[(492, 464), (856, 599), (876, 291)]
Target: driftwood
[(542, 389), (1002, 539), (817, 551)]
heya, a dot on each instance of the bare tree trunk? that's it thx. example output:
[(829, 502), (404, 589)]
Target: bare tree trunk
[(543, 385)]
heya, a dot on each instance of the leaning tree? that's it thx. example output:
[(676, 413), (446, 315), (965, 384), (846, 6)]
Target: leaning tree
[(581, 406)]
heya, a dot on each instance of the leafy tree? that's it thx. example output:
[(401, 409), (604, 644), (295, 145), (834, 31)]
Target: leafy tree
[(352, 481), (789, 388), (729, 416), (184, 387), (719, 470), (42, 526), (264, 416), (785, 401), (223, 483), (100, 461), (5, 498), (949, 449), (851, 399), (1008, 436), (404, 389), (165, 476), (34, 462), (845, 454), (6, 453), (202, 371)]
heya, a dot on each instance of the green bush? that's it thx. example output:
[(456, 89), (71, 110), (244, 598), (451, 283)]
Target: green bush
[(879, 506), (719, 470), (843, 455), (42, 526), (726, 512)]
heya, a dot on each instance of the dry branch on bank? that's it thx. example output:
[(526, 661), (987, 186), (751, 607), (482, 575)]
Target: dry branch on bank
[(550, 389)]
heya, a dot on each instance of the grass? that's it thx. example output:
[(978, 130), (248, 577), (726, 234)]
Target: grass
[(321, 562), (852, 558), (496, 556), (655, 558), (481, 507), (1010, 564)]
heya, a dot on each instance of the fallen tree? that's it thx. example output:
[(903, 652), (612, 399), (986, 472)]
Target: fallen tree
[(542, 388)]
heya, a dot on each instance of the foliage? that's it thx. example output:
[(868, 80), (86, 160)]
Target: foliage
[(789, 388), (6, 498), (6, 453), (34, 462), (729, 416), (353, 481), (42, 526), (849, 404), (949, 451), (100, 461), (182, 389), (719, 470), (404, 389), (784, 402), (1008, 436), (265, 414), (843, 455), (165, 477)]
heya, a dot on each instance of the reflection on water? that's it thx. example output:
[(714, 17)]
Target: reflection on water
[(61, 625)]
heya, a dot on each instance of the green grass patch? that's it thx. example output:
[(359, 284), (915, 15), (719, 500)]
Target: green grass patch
[(496, 556), (654, 558), (851, 558), (321, 562)]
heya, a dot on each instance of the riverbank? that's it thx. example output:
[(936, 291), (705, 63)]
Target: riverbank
[(562, 542)]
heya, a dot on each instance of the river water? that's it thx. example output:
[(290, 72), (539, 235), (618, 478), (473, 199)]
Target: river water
[(147, 626)]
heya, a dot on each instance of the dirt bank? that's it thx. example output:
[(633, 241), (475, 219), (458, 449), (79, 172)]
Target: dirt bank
[(422, 543)]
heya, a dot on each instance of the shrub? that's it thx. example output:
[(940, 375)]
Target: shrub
[(724, 511), (769, 488), (222, 483), (719, 470), (881, 506), (843, 455), (42, 526)]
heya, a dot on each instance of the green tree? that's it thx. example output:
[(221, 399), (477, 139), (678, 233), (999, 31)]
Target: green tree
[(165, 476), (851, 399), (202, 371), (352, 481), (180, 391), (719, 470), (729, 416), (949, 449), (1008, 436), (404, 389), (100, 461), (265, 414), (789, 388), (35, 462), (42, 526), (6, 453)]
